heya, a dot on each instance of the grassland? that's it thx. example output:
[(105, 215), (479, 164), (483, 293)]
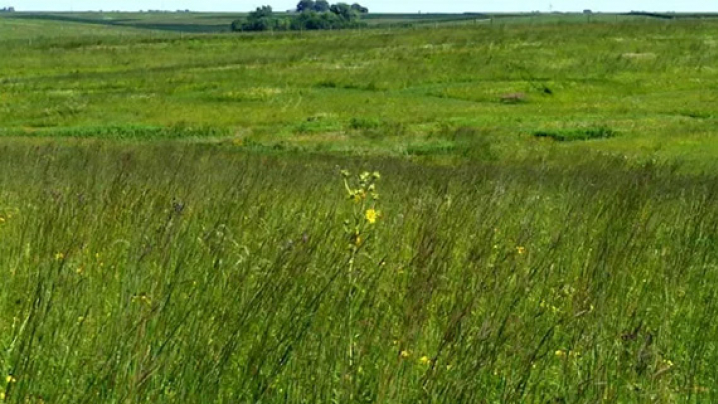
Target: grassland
[(176, 227), (384, 91)]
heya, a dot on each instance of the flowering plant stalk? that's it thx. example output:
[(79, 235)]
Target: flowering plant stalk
[(362, 194)]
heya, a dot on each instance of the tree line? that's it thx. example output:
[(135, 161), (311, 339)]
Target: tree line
[(309, 15), (7, 10)]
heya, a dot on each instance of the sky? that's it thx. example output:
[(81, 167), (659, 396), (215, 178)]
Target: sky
[(405, 6)]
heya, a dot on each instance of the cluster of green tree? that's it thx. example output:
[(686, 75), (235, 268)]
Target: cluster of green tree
[(310, 15), (322, 6), (7, 10)]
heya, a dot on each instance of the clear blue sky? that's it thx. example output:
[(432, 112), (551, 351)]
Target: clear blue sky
[(374, 5)]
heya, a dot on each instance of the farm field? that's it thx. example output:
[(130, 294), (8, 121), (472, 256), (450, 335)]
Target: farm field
[(461, 210)]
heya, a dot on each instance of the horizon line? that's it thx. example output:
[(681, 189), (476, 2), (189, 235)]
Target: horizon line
[(382, 12)]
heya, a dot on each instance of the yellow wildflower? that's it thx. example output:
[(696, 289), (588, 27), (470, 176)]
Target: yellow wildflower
[(405, 354), (521, 250), (59, 256), (2, 396), (425, 360), (371, 216), (560, 353)]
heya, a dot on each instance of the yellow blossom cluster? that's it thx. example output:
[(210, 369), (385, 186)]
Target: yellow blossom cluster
[(361, 190)]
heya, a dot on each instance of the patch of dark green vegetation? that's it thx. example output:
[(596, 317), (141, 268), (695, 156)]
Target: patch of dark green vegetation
[(321, 123), (672, 16), (576, 134), (653, 15), (431, 149), (374, 128), (119, 132), (369, 86), (696, 114)]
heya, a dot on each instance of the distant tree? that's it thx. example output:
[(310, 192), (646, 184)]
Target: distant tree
[(313, 15), (344, 11), (305, 5), (262, 19), (261, 12), (283, 24), (359, 8), (237, 25), (321, 6)]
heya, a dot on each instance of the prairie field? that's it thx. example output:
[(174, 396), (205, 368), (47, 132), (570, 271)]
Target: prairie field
[(434, 209)]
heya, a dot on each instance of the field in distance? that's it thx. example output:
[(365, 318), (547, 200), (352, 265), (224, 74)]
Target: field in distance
[(188, 21), (643, 86)]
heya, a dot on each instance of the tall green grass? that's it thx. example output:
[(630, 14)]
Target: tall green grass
[(201, 274), (239, 267)]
